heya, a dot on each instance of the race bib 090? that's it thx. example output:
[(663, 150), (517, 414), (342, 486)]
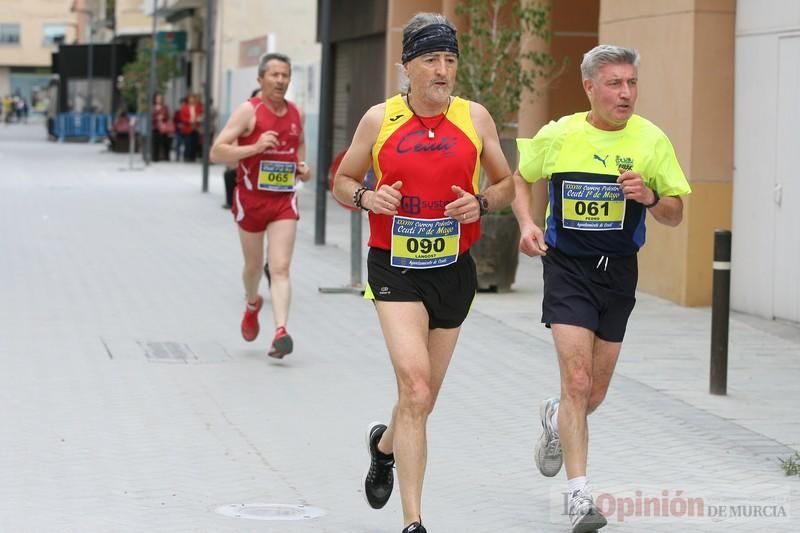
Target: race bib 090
[(424, 243)]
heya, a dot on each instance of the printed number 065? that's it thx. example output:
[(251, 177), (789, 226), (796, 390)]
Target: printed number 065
[(273, 176)]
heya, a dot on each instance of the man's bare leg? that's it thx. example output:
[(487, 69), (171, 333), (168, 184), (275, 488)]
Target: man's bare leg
[(280, 238)]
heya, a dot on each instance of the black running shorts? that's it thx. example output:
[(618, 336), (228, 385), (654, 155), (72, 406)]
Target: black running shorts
[(446, 292), (596, 292)]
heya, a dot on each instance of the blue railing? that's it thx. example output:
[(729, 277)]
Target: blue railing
[(88, 126)]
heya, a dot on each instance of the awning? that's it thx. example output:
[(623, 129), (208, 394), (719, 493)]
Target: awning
[(179, 9)]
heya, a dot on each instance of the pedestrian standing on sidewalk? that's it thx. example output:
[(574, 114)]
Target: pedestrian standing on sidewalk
[(426, 148), (191, 116), (180, 139), (606, 169), (265, 137), (162, 129)]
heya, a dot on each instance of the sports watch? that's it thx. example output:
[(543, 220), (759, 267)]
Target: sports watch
[(483, 203), (656, 199)]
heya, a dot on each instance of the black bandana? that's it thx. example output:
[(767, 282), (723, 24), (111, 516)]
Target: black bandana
[(432, 38)]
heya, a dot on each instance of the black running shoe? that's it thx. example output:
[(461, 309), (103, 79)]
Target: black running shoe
[(379, 480), (415, 527)]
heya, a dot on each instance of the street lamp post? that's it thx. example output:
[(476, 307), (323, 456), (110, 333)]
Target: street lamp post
[(90, 75), (151, 88), (207, 90), (89, 67)]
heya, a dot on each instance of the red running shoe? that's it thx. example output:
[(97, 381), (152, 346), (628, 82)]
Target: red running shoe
[(250, 327), (281, 344)]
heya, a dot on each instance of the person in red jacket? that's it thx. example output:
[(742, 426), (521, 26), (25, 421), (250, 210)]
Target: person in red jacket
[(191, 115), (162, 129), (264, 139), (179, 143)]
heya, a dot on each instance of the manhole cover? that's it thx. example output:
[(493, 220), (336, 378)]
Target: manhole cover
[(270, 511)]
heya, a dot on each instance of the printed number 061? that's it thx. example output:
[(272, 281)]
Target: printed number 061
[(582, 208)]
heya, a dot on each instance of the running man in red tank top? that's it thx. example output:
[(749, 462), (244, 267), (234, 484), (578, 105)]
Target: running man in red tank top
[(264, 139), (426, 148)]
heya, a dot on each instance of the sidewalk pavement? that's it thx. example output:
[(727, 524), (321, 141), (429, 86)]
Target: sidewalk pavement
[(131, 403)]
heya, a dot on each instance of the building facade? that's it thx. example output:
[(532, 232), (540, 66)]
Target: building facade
[(766, 183), (29, 33)]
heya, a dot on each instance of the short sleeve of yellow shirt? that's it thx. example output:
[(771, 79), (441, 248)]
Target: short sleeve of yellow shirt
[(533, 152)]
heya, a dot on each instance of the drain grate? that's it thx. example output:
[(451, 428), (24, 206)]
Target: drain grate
[(270, 511), (169, 351), (166, 351)]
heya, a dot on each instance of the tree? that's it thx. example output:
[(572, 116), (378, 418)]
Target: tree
[(494, 66), (136, 76)]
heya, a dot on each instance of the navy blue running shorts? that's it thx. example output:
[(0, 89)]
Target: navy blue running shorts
[(446, 292), (595, 292)]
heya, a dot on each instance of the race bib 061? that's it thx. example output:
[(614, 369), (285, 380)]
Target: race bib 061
[(592, 206)]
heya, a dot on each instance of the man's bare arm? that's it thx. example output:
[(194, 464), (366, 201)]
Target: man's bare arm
[(225, 150)]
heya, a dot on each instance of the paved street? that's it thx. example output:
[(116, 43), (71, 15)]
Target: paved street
[(131, 403)]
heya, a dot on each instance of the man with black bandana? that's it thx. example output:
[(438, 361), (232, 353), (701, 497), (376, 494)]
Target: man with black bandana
[(426, 149), (606, 169)]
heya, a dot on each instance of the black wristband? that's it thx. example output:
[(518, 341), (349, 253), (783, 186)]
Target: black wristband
[(656, 199), (361, 199), (358, 195)]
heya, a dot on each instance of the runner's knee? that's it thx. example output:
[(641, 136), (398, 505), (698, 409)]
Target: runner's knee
[(578, 385), (279, 271), (596, 397), (416, 397)]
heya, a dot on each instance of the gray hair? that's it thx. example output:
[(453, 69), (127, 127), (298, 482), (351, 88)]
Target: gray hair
[(266, 58), (420, 20), (607, 54)]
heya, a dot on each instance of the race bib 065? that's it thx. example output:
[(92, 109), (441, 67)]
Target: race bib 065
[(276, 176)]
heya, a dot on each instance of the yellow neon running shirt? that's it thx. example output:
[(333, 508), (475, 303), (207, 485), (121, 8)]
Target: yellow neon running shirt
[(586, 213)]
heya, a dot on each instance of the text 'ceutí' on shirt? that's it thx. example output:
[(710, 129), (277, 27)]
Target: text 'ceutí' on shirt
[(587, 214)]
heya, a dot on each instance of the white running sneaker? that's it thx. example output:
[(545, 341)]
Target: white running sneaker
[(549, 456), (583, 513)]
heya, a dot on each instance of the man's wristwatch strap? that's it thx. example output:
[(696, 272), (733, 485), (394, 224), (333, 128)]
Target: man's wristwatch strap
[(656, 199), (483, 203)]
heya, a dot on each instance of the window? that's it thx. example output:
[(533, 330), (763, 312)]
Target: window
[(54, 34), (9, 34)]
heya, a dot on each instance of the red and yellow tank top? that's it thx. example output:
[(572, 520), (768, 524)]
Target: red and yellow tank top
[(272, 171), (428, 167)]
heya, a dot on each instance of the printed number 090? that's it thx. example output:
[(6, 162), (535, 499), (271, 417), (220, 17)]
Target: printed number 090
[(424, 245)]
